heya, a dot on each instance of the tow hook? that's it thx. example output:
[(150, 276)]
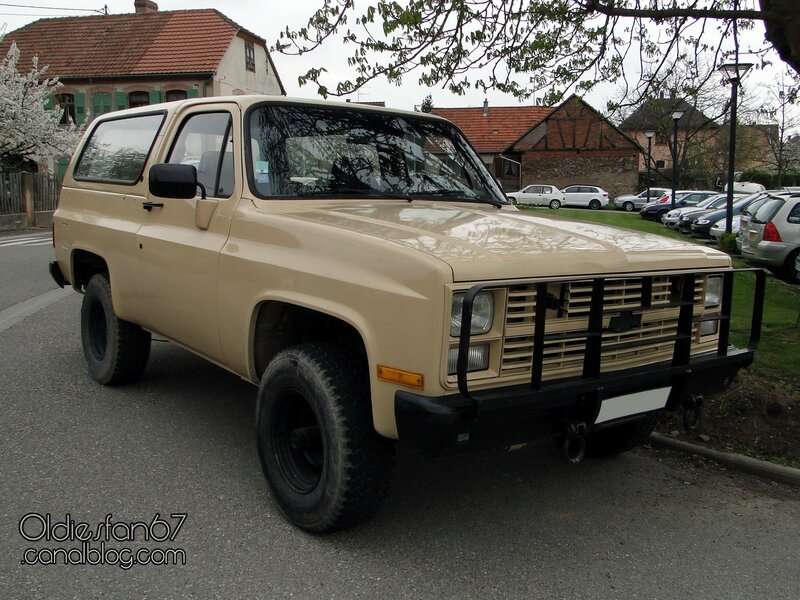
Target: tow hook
[(692, 405), (574, 441)]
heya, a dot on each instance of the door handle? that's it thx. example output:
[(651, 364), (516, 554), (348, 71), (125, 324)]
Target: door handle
[(148, 206)]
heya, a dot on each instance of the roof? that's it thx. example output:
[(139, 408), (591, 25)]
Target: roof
[(656, 113), (503, 126), (155, 43)]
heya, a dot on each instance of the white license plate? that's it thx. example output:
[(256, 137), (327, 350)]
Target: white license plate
[(633, 404)]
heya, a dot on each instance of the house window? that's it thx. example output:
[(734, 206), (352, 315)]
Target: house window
[(138, 99), (173, 95), (249, 56), (67, 103), (660, 164), (510, 169)]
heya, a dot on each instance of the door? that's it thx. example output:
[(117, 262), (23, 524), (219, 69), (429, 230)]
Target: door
[(180, 240)]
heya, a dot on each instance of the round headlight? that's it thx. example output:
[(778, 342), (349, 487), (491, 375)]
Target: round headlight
[(482, 313)]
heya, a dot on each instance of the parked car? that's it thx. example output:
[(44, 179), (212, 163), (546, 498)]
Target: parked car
[(773, 237), (629, 202), (751, 210), (671, 218), (686, 220), (538, 195), (718, 228), (701, 227), (585, 195), (657, 211)]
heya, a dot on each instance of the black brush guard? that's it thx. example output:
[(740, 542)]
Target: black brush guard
[(518, 413)]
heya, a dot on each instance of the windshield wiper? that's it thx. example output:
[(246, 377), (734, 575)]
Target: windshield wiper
[(356, 192), (454, 194)]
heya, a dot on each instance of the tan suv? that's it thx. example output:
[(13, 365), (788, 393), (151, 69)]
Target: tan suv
[(363, 268)]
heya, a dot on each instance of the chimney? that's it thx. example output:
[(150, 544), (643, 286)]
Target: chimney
[(485, 107), (145, 6)]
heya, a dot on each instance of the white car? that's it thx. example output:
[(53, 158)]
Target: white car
[(585, 195), (629, 202), (718, 228), (538, 195)]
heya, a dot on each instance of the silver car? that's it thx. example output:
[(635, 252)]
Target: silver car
[(538, 195), (773, 237), (629, 202)]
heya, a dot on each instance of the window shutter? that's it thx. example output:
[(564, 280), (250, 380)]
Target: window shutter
[(193, 92), (156, 96), (121, 100), (48, 104), (61, 167), (80, 108), (101, 103)]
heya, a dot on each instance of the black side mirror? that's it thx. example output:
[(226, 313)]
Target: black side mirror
[(174, 181)]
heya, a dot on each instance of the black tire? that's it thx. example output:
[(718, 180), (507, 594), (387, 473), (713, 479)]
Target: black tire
[(660, 215), (512, 200), (621, 438), (554, 204), (326, 466), (116, 351), (791, 274), (594, 204), (628, 206)]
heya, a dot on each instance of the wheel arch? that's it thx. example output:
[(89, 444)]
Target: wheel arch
[(85, 264)]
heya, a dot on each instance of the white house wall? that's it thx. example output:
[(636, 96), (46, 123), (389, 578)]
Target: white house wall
[(233, 78)]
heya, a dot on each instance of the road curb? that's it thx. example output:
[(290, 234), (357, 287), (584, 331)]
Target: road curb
[(761, 468)]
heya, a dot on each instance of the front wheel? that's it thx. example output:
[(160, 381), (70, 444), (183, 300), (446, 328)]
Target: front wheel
[(594, 204), (628, 206), (620, 438), (116, 351), (661, 216), (326, 466), (554, 204)]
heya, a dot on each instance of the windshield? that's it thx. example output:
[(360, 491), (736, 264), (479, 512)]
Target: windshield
[(298, 151)]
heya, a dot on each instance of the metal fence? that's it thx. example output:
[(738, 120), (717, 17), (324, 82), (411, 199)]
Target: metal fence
[(46, 189)]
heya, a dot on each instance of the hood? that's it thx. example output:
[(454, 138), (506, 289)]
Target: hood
[(480, 242)]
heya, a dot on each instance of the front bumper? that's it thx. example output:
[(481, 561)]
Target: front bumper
[(539, 410), (518, 414)]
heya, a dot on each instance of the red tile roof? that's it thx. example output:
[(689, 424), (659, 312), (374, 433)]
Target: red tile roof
[(497, 131), (164, 42)]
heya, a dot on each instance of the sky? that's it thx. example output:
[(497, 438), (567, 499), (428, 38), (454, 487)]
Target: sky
[(266, 18)]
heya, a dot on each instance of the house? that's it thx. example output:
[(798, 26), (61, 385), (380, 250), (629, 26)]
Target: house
[(111, 62), (492, 131), (568, 144)]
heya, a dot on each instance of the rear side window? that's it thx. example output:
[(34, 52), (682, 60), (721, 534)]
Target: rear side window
[(117, 150), (767, 211), (794, 215)]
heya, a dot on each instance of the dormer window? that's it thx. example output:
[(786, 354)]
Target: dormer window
[(249, 56)]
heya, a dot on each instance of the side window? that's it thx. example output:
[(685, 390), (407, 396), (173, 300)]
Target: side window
[(205, 141), (794, 215), (117, 149), (570, 190), (249, 56)]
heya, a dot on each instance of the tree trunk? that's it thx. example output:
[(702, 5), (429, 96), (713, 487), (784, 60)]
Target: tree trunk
[(783, 29)]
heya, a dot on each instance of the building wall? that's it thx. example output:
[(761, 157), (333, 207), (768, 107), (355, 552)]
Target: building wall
[(232, 78), (615, 172)]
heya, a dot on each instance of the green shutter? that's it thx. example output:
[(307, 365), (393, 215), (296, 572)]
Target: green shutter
[(48, 104), (101, 103), (121, 100), (156, 96), (61, 167), (80, 108), (192, 92)]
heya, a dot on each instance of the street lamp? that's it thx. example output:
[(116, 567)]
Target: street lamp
[(733, 72), (649, 135), (676, 116)]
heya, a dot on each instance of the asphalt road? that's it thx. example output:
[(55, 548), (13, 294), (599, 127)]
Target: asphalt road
[(491, 525)]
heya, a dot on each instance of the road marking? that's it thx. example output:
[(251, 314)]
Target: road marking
[(42, 239), (14, 314)]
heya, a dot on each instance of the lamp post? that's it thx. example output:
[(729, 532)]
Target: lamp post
[(676, 116), (733, 72), (649, 135)]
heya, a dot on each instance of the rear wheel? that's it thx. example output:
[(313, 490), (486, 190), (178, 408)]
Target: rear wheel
[(628, 206), (790, 270), (116, 351), (620, 438), (554, 204), (594, 204), (326, 466)]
